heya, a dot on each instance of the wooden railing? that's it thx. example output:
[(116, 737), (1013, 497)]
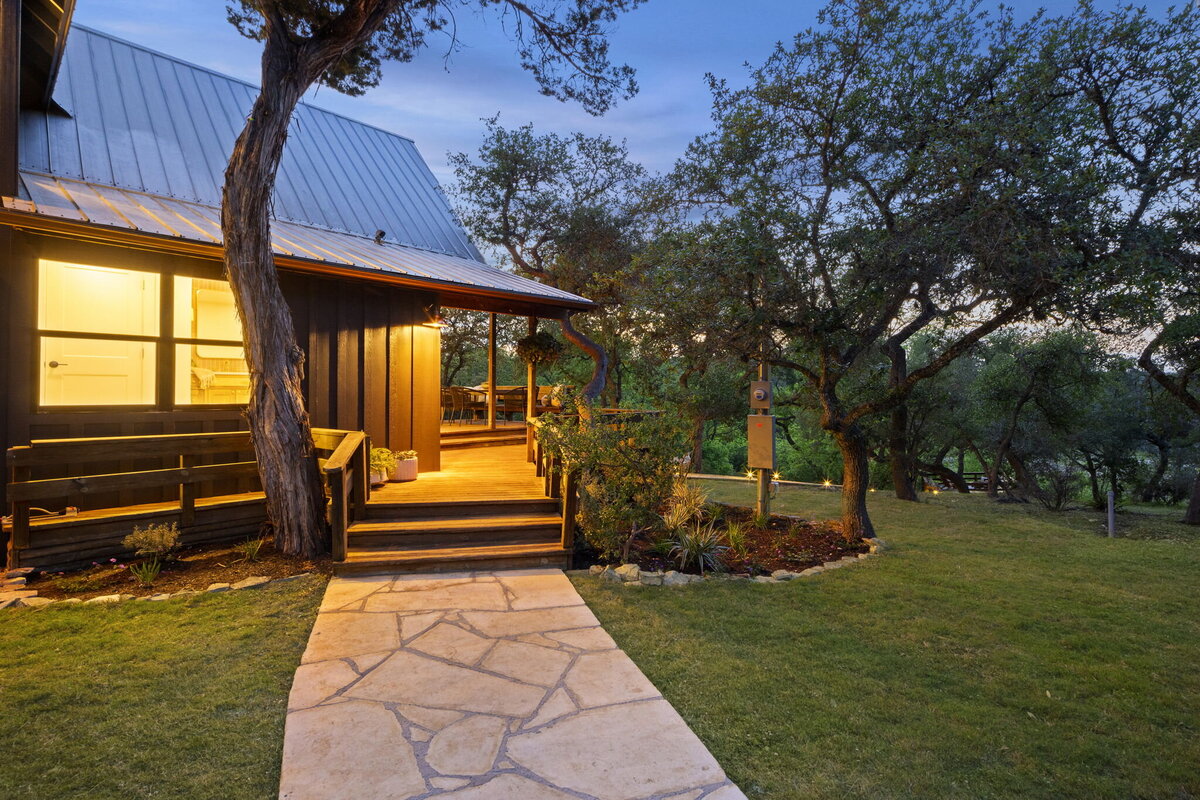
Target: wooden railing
[(348, 480), (345, 471), (561, 480), (558, 481)]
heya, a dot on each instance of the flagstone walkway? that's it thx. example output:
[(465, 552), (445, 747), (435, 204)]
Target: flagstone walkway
[(480, 686)]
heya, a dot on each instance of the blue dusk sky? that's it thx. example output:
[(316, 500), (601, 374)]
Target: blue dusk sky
[(440, 98)]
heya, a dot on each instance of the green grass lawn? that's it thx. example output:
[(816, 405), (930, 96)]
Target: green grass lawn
[(995, 651), (179, 699)]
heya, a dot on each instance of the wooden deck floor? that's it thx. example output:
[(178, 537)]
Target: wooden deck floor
[(476, 473)]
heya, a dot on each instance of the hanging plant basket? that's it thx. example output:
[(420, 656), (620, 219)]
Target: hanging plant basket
[(539, 348)]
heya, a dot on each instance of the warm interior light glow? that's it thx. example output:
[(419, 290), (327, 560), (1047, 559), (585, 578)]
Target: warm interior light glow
[(208, 374), (749, 473), (119, 303)]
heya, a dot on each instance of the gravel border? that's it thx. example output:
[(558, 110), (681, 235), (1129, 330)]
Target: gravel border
[(19, 597), (632, 575)]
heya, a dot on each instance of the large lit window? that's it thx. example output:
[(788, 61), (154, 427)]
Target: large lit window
[(100, 339), (115, 314), (210, 365)]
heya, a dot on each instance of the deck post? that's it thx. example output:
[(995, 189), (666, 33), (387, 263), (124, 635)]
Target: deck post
[(187, 494), (531, 398), (491, 388), (570, 507), (337, 514), (20, 517), (362, 478)]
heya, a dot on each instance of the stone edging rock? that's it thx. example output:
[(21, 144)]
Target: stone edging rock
[(27, 598), (632, 575)]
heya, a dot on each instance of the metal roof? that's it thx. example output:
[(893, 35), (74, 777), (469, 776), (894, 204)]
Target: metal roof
[(146, 139), (111, 207), (144, 121)]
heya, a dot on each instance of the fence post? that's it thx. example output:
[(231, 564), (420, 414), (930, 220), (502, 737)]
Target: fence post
[(20, 513), (187, 495), (1112, 514), (570, 507), (362, 478), (337, 514)]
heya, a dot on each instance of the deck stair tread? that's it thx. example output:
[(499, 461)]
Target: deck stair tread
[(482, 441), (513, 499), (439, 524), (504, 548), (477, 555)]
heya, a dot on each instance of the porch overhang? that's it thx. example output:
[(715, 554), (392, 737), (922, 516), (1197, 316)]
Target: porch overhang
[(101, 214)]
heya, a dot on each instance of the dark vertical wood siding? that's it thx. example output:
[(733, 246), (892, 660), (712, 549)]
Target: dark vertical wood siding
[(370, 365)]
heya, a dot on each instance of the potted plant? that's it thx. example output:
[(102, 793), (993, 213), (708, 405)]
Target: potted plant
[(406, 465), (383, 461)]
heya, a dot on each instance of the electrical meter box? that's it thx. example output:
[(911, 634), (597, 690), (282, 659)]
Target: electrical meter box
[(760, 441), (760, 394)]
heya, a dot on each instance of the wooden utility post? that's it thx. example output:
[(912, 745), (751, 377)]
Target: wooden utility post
[(491, 380), (763, 503), (760, 435)]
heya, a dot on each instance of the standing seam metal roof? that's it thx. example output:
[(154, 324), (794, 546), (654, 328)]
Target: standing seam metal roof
[(150, 123), (146, 141)]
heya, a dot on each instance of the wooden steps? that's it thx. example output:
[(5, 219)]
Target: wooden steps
[(486, 509), (442, 509), (450, 559), (455, 531), (482, 438)]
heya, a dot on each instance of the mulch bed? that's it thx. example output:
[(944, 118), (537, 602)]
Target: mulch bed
[(785, 543), (191, 568)]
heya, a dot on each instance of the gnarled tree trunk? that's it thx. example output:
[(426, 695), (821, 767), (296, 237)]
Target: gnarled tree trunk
[(279, 423), (599, 358), (856, 478), (945, 473)]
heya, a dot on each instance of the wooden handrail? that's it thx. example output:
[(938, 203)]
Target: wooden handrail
[(42, 452), (345, 451), (348, 481), (144, 479), (346, 472)]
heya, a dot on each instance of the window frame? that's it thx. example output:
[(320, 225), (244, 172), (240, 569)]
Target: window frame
[(164, 343)]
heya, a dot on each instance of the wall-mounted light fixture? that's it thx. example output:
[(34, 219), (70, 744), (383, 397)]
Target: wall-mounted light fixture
[(433, 319)]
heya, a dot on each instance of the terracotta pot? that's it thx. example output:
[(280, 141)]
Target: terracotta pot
[(406, 470)]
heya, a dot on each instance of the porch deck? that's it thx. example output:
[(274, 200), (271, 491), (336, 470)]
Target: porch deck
[(467, 475)]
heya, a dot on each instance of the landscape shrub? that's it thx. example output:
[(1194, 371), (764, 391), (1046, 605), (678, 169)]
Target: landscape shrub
[(158, 540), (629, 466), (699, 544)]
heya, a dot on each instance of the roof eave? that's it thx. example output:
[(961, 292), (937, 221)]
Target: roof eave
[(455, 295)]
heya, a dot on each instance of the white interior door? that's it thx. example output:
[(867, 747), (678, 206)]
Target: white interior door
[(87, 372), (97, 300)]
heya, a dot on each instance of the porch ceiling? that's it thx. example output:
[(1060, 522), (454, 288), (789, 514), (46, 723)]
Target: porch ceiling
[(58, 205)]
